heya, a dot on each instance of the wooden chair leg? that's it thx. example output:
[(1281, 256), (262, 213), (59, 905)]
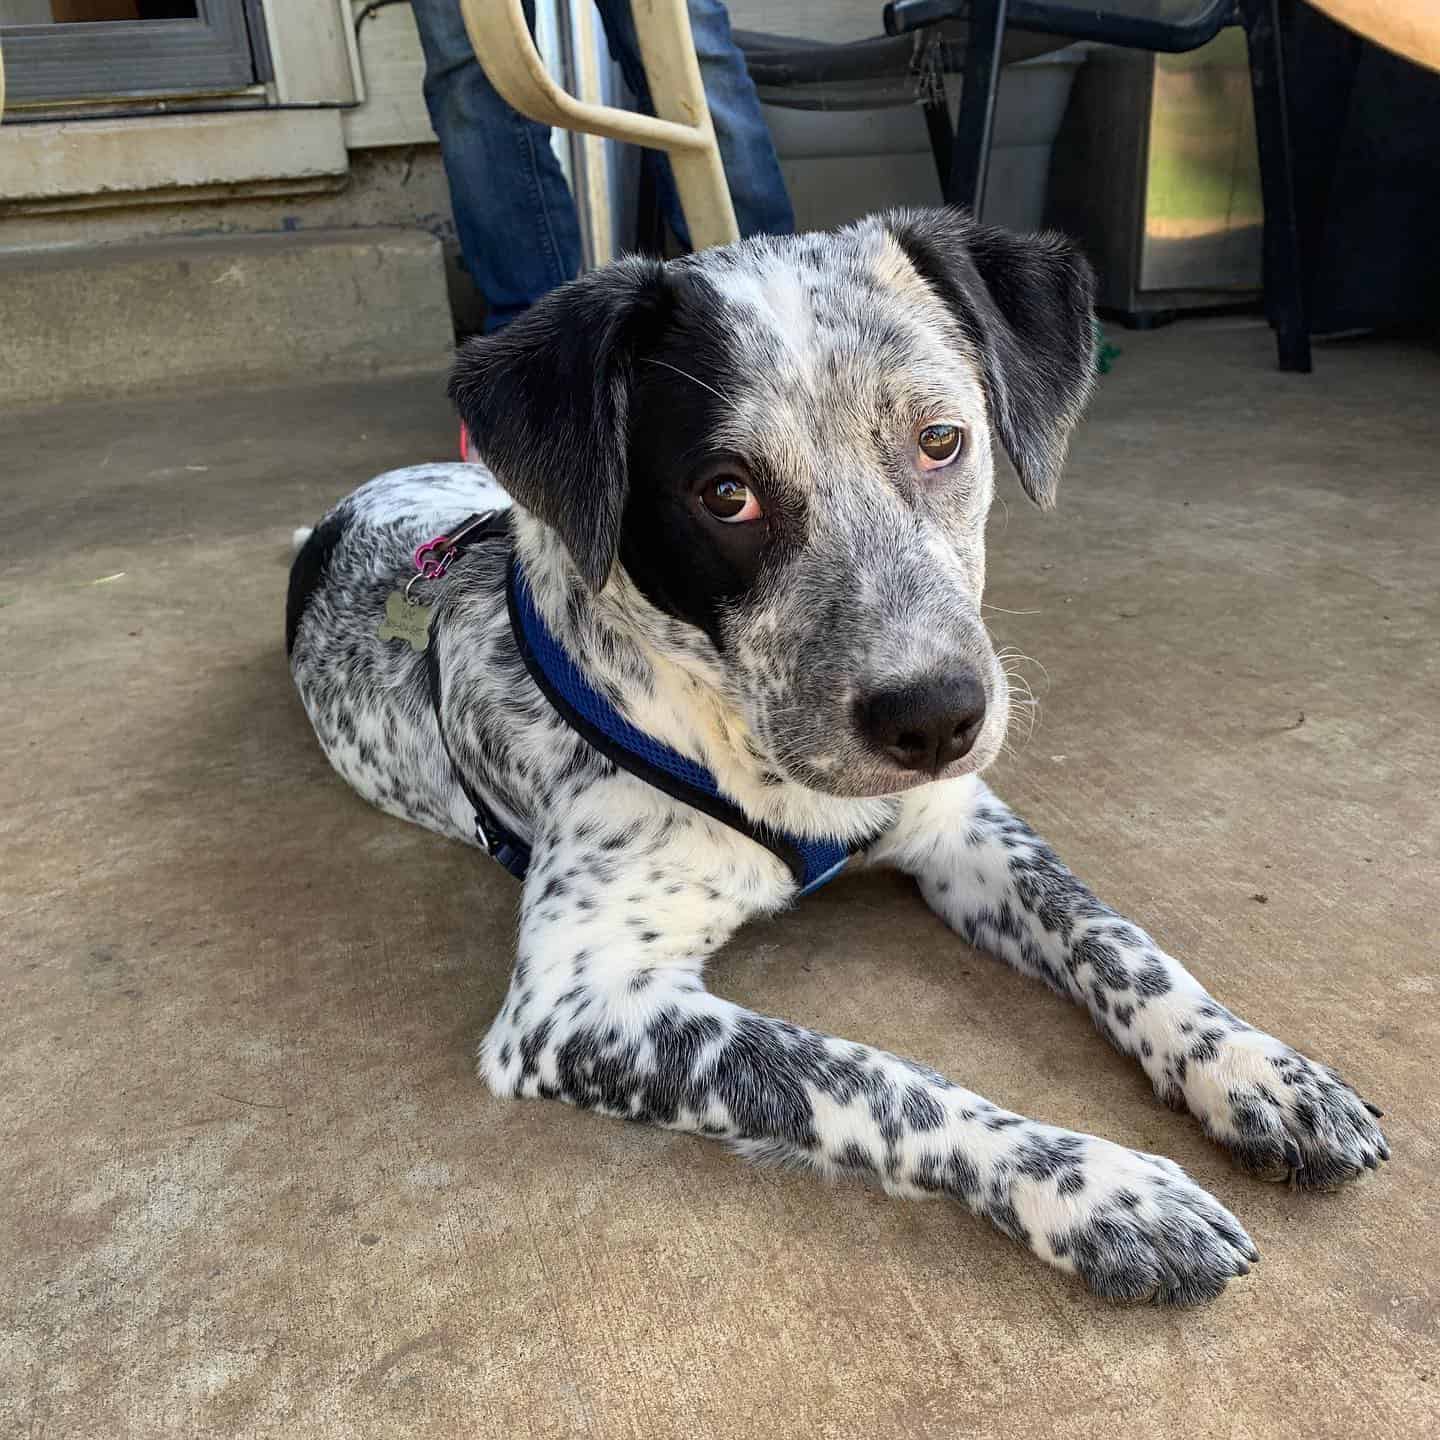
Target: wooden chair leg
[(681, 125), (1284, 277)]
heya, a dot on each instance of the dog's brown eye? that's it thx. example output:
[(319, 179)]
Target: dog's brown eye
[(729, 498), (939, 444)]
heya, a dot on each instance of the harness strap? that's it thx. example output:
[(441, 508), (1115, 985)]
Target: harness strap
[(597, 720), (492, 834), (588, 712)]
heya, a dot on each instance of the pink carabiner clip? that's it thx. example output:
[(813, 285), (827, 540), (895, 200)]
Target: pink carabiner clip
[(432, 559)]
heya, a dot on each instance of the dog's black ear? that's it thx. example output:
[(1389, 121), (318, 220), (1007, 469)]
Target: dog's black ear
[(1026, 304), (547, 399)]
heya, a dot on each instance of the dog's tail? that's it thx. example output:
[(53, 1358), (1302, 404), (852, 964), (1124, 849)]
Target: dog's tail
[(298, 538)]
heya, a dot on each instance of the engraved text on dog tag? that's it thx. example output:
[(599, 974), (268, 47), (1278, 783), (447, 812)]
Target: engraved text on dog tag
[(405, 621)]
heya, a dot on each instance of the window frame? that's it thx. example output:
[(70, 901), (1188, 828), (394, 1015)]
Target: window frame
[(221, 51)]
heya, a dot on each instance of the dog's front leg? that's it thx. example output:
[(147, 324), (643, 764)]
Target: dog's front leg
[(607, 1010), (991, 878)]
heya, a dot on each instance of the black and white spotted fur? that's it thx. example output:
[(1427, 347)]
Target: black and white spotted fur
[(810, 361)]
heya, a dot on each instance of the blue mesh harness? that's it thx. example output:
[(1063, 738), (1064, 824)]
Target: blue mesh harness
[(588, 712)]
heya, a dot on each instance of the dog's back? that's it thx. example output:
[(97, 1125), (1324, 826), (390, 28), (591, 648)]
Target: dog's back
[(367, 690)]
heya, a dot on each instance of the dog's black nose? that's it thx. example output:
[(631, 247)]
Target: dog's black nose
[(927, 724)]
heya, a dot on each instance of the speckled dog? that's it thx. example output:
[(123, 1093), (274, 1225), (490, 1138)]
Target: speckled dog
[(750, 491)]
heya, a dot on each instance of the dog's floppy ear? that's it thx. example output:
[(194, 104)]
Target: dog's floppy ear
[(1026, 304), (546, 402)]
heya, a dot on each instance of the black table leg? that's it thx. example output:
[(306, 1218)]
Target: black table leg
[(1284, 278), (937, 121), (970, 160)]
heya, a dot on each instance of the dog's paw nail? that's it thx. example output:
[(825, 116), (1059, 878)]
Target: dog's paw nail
[(1312, 1132), (1375, 1110), (1157, 1237)]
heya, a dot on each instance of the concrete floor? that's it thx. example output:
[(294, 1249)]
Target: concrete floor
[(250, 1186)]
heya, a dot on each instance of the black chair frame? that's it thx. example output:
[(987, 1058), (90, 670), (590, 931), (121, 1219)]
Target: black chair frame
[(1265, 23)]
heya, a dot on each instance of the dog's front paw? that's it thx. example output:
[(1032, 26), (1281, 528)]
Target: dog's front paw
[(1282, 1116), (1134, 1227)]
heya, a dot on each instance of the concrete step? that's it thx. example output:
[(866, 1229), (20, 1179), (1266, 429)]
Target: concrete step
[(108, 320)]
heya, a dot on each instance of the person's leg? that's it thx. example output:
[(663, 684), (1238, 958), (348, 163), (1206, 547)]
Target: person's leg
[(516, 220), (752, 169)]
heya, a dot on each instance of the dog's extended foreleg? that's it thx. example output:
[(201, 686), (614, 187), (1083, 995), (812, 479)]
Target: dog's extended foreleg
[(607, 1010), (999, 885)]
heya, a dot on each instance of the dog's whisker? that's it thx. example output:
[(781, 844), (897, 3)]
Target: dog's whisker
[(665, 364), (1008, 653), (1024, 731)]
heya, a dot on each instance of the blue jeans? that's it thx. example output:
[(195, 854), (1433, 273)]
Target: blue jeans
[(518, 230)]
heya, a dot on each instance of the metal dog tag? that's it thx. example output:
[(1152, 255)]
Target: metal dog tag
[(405, 620)]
